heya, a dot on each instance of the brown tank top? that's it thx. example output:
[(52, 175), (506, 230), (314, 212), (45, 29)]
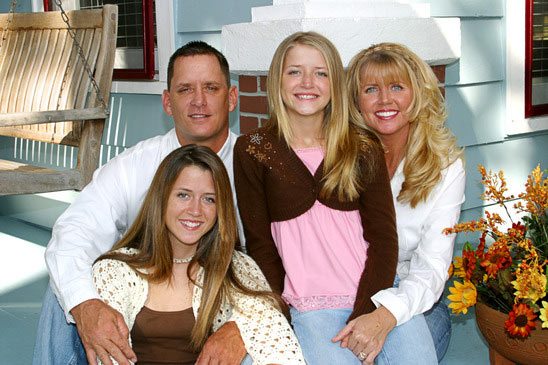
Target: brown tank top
[(163, 337)]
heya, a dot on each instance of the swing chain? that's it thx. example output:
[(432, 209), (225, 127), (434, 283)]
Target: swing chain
[(13, 4), (82, 56)]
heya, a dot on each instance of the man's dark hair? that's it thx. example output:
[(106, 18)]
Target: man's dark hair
[(196, 48)]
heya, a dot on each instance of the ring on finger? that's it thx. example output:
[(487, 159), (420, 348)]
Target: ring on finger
[(362, 355)]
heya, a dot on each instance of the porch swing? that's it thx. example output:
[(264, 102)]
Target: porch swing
[(55, 80)]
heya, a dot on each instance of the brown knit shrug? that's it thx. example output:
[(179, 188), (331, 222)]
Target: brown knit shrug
[(273, 185)]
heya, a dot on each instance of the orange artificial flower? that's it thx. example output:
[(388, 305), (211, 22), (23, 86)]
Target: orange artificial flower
[(520, 321), (497, 258)]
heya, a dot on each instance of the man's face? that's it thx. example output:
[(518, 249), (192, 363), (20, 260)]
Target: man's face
[(199, 101)]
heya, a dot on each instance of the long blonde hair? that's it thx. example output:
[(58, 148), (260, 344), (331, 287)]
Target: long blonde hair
[(342, 176), (431, 146), (149, 235)]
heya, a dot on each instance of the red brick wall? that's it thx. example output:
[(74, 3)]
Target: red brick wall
[(254, 105), (253, 102)]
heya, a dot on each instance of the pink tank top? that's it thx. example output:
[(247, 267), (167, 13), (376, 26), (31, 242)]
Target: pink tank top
[(323, 252)]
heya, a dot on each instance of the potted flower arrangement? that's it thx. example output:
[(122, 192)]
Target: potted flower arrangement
[(505, 274)]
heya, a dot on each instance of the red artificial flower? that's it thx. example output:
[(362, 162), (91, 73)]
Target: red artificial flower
[(480, 251), (468, 263), (520, 321)]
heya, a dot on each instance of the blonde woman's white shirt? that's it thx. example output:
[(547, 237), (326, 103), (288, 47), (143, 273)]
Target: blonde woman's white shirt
[(425, 253), (102, 213), (265, 331)]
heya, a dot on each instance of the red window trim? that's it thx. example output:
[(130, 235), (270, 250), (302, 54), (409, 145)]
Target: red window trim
[(530, 109), (147, 72)]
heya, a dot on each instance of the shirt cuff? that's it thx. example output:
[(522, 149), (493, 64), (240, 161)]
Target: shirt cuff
[(76, 294), (391, 302)]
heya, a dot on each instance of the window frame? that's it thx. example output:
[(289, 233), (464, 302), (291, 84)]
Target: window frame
[(165, 48), (530, 109), (517, 69)]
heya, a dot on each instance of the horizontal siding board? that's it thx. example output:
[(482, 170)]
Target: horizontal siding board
[(211, 15), (476, 113), (482, 53), (517, 157)]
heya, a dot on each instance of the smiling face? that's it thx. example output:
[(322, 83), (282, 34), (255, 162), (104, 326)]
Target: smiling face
[(191, 210), (199, 101), (305, 86), (384, 104)]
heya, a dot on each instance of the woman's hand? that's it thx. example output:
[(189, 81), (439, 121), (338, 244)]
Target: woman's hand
[(365, 335)]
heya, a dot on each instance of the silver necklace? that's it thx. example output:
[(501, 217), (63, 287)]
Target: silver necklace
[(186, 260)]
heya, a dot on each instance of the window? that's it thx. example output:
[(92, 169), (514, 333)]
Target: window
[(526, 66), (145, 42), (536, 58)]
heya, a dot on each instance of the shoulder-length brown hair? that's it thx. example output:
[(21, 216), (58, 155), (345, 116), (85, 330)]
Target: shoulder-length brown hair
[(431, 146), (149, 235), (344, 142)]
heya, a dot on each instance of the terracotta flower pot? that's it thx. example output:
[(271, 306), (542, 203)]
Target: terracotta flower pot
[(504, 349)]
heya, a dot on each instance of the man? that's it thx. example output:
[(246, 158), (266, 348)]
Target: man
[(199, 98)]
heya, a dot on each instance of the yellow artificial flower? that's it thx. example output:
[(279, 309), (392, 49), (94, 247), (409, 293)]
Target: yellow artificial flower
[(544, 314), (536, 194), (530, 283), (458, 270), (462, 296)]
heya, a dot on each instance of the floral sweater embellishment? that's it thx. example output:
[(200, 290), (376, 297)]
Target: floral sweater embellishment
[(256, 138), (256, 149)]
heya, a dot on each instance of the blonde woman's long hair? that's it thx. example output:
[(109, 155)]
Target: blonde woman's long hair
[(342, 176), (431, 146), (149, 235)]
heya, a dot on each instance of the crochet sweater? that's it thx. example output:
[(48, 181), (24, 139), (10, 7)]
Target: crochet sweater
[(265, 331), (272, 185)]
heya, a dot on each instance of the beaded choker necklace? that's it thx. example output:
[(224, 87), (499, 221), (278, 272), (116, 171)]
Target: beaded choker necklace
[(186, 260)]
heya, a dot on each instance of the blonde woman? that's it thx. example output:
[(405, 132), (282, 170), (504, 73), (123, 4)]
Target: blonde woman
[(175, 276), (396, 94), (315, 201)]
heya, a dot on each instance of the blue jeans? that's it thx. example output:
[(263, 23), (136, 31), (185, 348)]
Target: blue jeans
[(57, 342), (409, 343), (438, 320)]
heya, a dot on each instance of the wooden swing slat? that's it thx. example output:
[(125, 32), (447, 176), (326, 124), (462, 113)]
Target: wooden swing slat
[(37, 63), (37, 178), (51, 116), (51, 20)]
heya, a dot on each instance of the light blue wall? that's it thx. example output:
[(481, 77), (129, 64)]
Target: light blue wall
[(22, 6), (204, 19)]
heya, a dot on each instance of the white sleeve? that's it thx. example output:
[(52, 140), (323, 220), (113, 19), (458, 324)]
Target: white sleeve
[(429, 264), (87, 229), (266, 333)]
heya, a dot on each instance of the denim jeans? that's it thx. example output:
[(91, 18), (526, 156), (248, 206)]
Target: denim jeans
[(438, 320), (57, 342), (409, 343)]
